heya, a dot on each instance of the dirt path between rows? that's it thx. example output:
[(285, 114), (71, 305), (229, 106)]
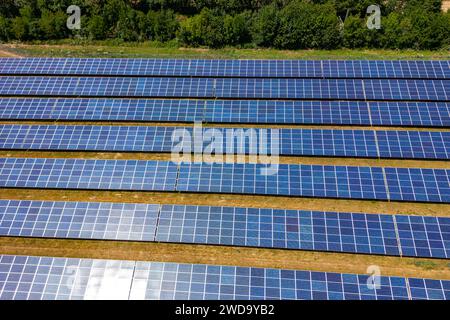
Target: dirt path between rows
[(8, 54)]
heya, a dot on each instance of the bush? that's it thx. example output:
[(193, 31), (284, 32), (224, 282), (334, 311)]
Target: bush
[(305, 25)]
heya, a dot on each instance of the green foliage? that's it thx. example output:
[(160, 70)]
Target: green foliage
[(305, 25), (161, 25), (265, 25), (4, 29), (204, 29), (285, 24)]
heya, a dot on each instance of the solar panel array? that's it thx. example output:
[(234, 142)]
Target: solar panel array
[(229, 111), (235, 88), (291, 142), (34, 278), (369, 183), (413, 236), (228, 68), (353, 93)]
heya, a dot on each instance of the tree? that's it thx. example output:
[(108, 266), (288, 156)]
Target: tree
[(4, 29), (355, 32), (204, 29), (306, 25), (265, 26)]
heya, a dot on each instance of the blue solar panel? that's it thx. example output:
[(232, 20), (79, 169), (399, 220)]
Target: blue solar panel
[(292, 142), (79, 220), (28, 278), (282, 229), (227, 68), (88, 174), (229, 111), (290, 180), (150, 67), (413, 144), (289, 229), (290, 89), (428, 185), (123, 87), (407, 90), (424, 236), (429, 289), (102, 109), (387, 69), (426, 90), (409, 114), (396, 184)]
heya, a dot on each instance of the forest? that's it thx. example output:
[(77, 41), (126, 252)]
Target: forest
[(282, 24)]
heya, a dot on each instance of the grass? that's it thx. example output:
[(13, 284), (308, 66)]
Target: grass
[(155, 50)]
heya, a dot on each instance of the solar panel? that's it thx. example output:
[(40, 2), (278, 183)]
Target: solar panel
[(409, 114), (88, 174), (407, 90), (79, 220), (341, 89), (121, 87), (429, 289), (229, 111), (289, 180), (387, 69), (42, 278), (102, 109), (428, 185), (424, 236), (286, 229), (292, 142), (227, 68), (28, 278), (232, 226)]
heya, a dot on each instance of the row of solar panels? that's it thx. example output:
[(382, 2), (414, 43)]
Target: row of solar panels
[(285, 142), (400, 235), (228, 111), (35, 278), (227, 68), (234, 88), (370, 183)]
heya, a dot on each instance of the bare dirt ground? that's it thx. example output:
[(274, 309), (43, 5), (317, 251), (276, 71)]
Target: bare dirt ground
[(8, 54)]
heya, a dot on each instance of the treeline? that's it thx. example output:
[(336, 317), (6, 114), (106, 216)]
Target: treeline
[(284, 24)]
